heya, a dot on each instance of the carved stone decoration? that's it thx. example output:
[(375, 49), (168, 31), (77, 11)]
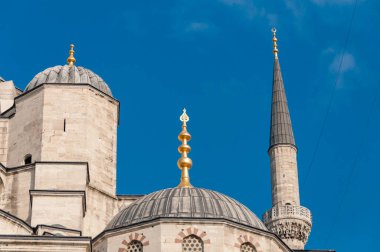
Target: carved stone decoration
[(247, 239), (291, 223), (294, 233), (192, 231), (134, 239)]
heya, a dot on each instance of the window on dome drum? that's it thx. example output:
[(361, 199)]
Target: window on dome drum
[(192, 243), (28, 159), (247, 247), (135, 246)]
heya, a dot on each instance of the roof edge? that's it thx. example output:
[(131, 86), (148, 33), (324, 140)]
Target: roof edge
[(17, 221)]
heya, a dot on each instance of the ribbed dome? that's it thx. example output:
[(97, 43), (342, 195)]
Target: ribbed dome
[(72, 75), (185, 203)]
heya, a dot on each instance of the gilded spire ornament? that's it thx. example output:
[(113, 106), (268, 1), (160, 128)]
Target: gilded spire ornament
[(71, 60), (184, 162), (275, 50)]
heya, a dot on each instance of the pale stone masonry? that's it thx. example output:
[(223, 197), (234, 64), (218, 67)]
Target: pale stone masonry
[(58, 143), (58, 158), (284, 175)]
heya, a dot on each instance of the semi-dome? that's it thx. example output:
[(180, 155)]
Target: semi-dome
[(70, 75), (185, 203)]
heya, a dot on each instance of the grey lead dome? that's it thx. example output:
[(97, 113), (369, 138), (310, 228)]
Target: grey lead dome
[(70, 75), (185, 203)]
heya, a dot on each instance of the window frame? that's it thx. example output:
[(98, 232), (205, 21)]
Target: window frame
[(196, 238)]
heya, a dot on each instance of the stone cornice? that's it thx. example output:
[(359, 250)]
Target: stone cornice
[(59, 228), (12, 110), (32, 166), (16, 221), (60, 193)]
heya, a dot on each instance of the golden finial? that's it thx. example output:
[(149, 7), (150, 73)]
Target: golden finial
[(71, 60), (275, 50), (184, 162)]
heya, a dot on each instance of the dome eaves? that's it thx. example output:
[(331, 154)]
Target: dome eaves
[(185, 203)]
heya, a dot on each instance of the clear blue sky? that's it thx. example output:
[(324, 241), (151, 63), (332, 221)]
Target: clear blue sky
[(215, 58)]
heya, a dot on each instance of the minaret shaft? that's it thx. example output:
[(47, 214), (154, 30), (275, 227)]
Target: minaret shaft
[(284, 175)]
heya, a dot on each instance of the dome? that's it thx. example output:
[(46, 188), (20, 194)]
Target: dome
[(71, 75), (1, 79), (185, 203)]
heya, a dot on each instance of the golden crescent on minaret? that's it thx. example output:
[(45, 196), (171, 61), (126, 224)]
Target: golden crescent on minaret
[(275, 50), (184, 162), (71, 60)]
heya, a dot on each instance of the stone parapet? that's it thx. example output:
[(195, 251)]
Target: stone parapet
[(281, 212), (291, 223)]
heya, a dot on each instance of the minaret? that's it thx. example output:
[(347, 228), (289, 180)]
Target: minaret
[(287, 218)]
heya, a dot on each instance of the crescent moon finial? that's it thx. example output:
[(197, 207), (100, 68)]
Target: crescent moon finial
[(184, 117), (275, 50)]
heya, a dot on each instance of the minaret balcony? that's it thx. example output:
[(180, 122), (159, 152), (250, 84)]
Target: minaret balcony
[(287, 212), (291, 223)]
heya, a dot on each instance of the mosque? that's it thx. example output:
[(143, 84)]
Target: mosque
[(58, 179)]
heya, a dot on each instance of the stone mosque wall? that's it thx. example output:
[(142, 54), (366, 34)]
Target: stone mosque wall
[(79, 124), (16, 198), (70, 133), (4, 125), (25, 128)]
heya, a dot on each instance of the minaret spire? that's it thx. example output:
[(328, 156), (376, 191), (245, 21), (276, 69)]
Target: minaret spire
[(184, 162), (281, 131), (71, 60), (287, 218)]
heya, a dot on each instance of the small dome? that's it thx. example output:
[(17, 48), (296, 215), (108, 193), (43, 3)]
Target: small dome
[(71, 75), (2, 79), (185, 203)]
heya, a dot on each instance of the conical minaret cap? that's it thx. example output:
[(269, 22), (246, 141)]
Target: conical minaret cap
[(281, 131)]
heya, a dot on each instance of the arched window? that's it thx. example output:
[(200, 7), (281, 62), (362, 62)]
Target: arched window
[(28, 159), (192, 243), (247, 247), (135, 246)]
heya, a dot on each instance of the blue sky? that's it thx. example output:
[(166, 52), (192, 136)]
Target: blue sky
[(214, 57)]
